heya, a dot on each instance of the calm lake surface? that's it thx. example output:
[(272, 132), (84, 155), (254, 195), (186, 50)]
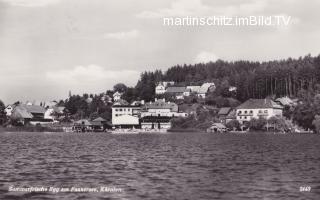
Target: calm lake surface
[(170, 166)]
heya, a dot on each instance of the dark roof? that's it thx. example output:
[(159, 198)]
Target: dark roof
[(259, 103), (176, 89), (224, 111)]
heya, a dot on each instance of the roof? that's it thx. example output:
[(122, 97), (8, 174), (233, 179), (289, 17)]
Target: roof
[(121, 102), (205, 87), (285, 101), (21, 112), (83, 122), (194, 88), (176, 90), (33, 108), (259, 103), (161, 104), (224, 111), (99, 119), (231, 115), (218, 125)]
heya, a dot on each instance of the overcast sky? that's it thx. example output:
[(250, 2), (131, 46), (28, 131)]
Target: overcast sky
[(49, 47)]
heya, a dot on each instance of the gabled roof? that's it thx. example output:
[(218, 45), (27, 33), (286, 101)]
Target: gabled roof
[(224, 111), (99, 119), (177, 90), (33, 108), (218, 125), (259, 103), (205, 87), (20, 112), (285, 101)]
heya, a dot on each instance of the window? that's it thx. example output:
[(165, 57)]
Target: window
[(240, 117), (260, 111), (265, 111), (245, 112), (251, 111), (239, 112), (116, 115), (245, 117), (116, 109), (120, 109)]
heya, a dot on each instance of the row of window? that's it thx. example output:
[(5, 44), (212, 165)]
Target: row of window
[(251, 112), (123, 109)]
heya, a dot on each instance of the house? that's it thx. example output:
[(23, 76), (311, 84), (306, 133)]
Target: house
[(232, 89), (157, 114), (29, 113), (160, 88), (205, 88), (178, 92), (119, 110), (154, 122), (285, 101), (9, 110), (54, 112), (82, 125), (194, 89), (117, 96), (161, 108), (223, 113), (217, 127), (231, 116), (256, 108)]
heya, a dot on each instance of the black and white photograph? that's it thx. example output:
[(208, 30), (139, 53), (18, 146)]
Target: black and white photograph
[(159, 99)]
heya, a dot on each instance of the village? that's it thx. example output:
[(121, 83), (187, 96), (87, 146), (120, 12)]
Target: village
[(161, 114)]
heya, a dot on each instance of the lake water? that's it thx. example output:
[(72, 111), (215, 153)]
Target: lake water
[(170, 166)]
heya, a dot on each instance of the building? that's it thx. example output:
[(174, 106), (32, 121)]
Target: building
[(9, 110), (178, 92), (285, 101), (217, 128), (205, 88), (256, 108), (117, 96), (223, 113), (160, 88), (23, 113), (125, 115), (157, 114)]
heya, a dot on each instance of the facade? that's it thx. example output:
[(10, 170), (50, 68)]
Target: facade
[(118, 111), (126, 121), (161, 108), (256, 108), (117, 96), (223, 113), (160, 89)]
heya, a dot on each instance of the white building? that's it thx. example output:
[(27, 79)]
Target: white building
[(161, 108), (118, 111), (9, 110), (256, 108), (160, 88), (117, 96)]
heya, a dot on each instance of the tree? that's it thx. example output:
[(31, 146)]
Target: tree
[(3, 117), (316, 123), (257, 124), (120, 87), (233, 125)]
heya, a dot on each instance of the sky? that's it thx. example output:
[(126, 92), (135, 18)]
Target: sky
[(51, 47)]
